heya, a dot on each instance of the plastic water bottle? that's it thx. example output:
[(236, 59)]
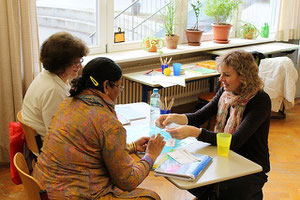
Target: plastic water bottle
[(154, 107)]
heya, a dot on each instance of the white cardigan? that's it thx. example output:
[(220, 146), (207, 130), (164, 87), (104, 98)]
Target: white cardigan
[(279, 76), (42, 100)]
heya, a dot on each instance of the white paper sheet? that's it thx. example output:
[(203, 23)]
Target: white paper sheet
[(183, 156)]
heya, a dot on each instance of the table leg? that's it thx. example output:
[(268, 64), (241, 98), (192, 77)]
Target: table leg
[(145, 89), (211, 84)]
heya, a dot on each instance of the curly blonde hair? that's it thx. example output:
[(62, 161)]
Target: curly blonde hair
[(244, 64)]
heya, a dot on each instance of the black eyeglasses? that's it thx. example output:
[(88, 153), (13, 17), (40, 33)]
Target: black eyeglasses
[(78, 63), (121, 87)]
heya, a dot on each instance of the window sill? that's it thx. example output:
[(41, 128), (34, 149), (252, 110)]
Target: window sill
[(135, 55)]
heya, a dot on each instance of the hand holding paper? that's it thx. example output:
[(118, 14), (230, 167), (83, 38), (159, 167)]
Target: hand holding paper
[(184, 131)]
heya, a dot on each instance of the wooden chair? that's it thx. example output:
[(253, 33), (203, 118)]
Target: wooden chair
[(205, 98), (30, 134), (208, 96), (33, 189)]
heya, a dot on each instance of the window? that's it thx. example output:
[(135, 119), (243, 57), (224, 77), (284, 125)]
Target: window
[(75, 17), (254, 11), (96, 21), (138, 19), (259, 12)]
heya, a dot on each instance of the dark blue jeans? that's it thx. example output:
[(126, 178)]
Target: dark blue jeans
[(245, 188), (29, 156)]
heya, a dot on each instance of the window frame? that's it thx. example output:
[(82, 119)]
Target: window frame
[(105, 27)]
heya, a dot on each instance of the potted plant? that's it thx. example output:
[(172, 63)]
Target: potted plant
[(152, 43), (248, 31), (169, 23), (221, 11), (193, 35)]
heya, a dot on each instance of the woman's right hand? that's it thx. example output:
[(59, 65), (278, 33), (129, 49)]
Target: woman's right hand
[(155, 146), (165, 120)]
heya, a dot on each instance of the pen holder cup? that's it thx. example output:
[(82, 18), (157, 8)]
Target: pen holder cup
[(163, 68), (163, 112)]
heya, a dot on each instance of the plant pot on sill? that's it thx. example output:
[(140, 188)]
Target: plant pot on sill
[(249, 35), (171, 41), (221, 32), (193, 37)]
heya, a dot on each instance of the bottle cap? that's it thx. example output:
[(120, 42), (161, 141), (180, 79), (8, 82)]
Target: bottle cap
[(155, 90)]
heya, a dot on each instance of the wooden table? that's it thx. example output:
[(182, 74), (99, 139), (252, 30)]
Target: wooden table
[(220, 169)]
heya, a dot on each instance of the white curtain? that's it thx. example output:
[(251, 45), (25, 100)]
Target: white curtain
[(288, 20), (19, 61)]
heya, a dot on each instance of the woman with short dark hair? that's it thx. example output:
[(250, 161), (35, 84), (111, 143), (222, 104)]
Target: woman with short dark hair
[(242, 109), (85, 155), (61, 51), (61, 56)]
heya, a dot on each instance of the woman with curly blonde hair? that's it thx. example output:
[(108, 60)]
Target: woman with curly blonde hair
[(247, 70), (242, 109)]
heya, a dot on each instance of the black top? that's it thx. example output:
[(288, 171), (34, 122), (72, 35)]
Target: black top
[(251, 137)]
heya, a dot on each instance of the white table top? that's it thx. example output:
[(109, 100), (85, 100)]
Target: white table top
[(157, 79), (266, 49), (220, 169)]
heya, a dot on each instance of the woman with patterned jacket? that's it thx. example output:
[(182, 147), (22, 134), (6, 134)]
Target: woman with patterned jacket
[(85, 155)]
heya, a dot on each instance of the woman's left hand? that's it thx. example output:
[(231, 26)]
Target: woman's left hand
[(141, 144), (181, 132)]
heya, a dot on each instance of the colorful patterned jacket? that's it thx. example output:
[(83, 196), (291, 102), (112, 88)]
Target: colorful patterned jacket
[(85, 156)]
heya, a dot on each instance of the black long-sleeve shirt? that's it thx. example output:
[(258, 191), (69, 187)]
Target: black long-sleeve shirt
[(251, 137)]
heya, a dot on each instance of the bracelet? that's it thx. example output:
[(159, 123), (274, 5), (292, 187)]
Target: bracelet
[(149, 160), (132, 147)]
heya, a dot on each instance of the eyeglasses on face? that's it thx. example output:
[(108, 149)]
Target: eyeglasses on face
[(78, 63), (121, 87)]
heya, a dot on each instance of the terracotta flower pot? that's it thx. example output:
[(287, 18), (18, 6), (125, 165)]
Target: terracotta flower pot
[(193, 37), (221, 33), (171, 41)]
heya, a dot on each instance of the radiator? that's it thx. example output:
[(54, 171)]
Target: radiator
[(133, 92)]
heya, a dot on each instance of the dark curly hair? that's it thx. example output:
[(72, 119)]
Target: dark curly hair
[(60, 51), (94, 74)]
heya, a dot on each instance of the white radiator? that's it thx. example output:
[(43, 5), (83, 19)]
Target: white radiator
[(133, 92)]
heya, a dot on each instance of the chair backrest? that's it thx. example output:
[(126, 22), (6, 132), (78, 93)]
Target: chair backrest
[(29, 133), (31, 185)]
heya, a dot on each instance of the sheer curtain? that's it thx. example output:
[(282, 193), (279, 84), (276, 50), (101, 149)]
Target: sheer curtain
[(288, 20), (19, 61)]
